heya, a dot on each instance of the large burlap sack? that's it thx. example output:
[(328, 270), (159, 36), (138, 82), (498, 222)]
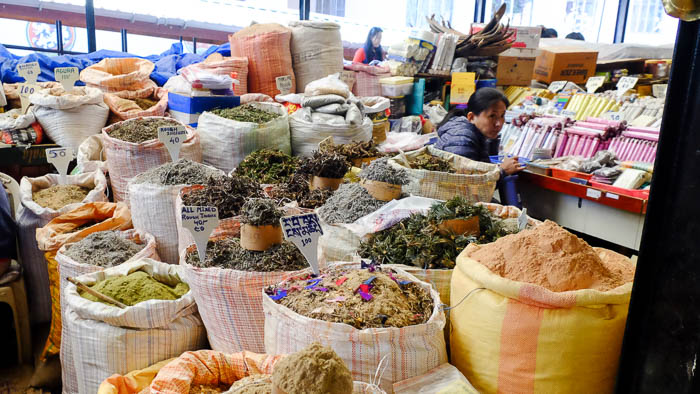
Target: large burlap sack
[(317, 51), (473, 180), (125, 159), (234, 313), (106, 340), (68, 268), (219, 65), (306, 134), (69, 119), (123, 106), (406, 352), (516, 337), (226, 142), (90, 156), (32, 216), (267, 48), (121, 74)]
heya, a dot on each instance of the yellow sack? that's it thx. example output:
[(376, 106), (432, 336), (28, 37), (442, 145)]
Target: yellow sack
[(515, 337), (60, 231)]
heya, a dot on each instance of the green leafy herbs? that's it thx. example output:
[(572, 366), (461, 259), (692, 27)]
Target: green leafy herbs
[(246, 113), (426, 161), (260, 212), (140, 130), (268, 166), (418, 240), (326, 165)]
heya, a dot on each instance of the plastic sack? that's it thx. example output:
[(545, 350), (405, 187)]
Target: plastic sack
[(226, 142), (70, 118), (125, 159), (307, 134), (106, 340), (32, 216), (117, 74), (327, 85), (12, 92), (473, 180), (124, 108), (68, 268), (443, 379), (375, 104), (133, 382), (234, 313), (396, 142), (322, 100), (410, 351), (256, 98), (317, 51), (90, 156), (267, 48), (14, 119), (367, 79), (436, 113), (219, 65), (519, 337)]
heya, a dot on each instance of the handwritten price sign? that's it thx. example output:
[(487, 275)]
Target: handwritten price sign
[(304, 231), (200, 221)]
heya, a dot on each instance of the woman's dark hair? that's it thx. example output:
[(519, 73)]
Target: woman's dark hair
[(549, 33), (479, 101), (372, 53), (575, 36)]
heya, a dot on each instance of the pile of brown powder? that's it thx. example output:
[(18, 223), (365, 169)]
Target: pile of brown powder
[(315, 370), (551, 257), (58, 196), (254, 384)]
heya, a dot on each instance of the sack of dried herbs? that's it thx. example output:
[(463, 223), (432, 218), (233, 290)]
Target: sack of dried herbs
[(297, 191), (268, 166), (331, 308), (230, 282), (325, 165), (229, 135)]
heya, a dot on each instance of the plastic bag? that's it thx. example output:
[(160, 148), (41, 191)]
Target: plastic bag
[(443, 379), (322, 100), (328, 85)]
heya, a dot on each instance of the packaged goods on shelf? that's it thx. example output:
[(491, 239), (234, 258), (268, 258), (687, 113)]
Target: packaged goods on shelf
[(517, 94), (444, 54), (591, 105)]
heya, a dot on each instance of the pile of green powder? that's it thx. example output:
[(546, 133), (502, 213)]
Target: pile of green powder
[(140, 130), (181, 172), (136, 287), (246, 113), (104, 249)]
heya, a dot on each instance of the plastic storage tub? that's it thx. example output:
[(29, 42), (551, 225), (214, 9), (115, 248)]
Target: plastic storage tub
[(636, 193), (397, 108), (396, 86)]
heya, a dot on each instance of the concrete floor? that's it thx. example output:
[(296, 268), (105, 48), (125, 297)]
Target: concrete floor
[(19, 378)]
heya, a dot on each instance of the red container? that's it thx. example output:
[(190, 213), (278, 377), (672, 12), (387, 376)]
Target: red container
[(567, 175), (641, 194)]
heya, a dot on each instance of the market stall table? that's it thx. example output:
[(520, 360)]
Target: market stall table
[(614, 217)]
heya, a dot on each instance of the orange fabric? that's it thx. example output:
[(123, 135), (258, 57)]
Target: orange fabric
[(133, 382), (519, 348), (359, 56)]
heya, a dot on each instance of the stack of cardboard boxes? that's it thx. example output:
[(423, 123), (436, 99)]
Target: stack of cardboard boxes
[(515, 66)]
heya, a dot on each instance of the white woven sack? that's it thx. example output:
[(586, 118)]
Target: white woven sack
[(338, 244), (14, 119), (153, 210), (32, 216), (106, 340), (317, 51), (70, 119), (407, 352), (226, 142), (90, 155), (306, 135), (68, 268), (125, 159)]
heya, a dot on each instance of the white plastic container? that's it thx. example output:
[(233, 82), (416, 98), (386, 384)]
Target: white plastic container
[(396, 86)]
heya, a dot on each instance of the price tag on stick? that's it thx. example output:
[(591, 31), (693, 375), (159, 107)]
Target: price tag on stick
[(594, 83), (67, 76), (29, 71), (522, 220), (304, 231), (556, 86), (659, 90), (200, 221), (25, 90), (625, 84), (284, 84), (60, 158), (172, 137)]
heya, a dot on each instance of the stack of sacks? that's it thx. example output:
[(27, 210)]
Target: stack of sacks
[(328, 109)]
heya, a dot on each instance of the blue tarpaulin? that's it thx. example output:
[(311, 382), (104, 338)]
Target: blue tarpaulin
[(167, 63)]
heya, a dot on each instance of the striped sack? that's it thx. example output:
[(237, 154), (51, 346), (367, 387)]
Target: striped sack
[(106, 340), (367, 79)]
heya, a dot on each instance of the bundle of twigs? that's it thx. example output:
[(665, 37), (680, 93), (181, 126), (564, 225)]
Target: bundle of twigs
[(492, 40)]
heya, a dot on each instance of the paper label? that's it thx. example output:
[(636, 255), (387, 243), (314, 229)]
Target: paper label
[(566, 112), (613, 116), (60, 158), (529, 109), (26, 90), (304, 231), (348, 77), (29, 71), (612, 195), (594, 83), (67, 76), (556, 86), (172, 137), (200, 221), (284, 84), (659, 90), (625, 84), (593, 193), (522, 220)]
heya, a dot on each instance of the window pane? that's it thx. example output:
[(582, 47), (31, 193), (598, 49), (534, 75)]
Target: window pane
[(647, 23), (111, 40), (595, 19), (396, 17), (147, 45)]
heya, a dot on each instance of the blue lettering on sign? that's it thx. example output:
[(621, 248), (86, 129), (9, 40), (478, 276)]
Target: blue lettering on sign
[(301, 225)]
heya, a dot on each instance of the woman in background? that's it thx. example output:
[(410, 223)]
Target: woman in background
[(372, 49)]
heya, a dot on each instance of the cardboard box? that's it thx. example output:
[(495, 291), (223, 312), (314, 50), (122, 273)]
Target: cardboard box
[(514, 70), (565, 64), (463, 85), (187, 109), (523, 37)]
